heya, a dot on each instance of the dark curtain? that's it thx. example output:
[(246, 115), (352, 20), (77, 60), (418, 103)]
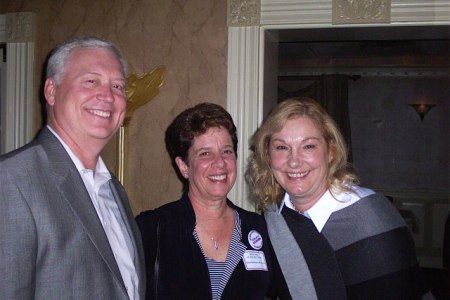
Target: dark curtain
[(331, 91)]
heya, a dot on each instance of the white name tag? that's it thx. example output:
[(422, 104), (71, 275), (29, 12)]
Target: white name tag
[(255, 260)]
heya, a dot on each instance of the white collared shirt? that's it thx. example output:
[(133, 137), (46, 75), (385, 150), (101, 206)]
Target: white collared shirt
[(97, 185), (329, 203)]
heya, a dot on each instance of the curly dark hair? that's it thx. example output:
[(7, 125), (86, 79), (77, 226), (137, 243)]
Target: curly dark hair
[(193, 122)]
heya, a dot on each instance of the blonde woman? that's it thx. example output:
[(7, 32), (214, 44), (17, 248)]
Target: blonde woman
[(332, 238)]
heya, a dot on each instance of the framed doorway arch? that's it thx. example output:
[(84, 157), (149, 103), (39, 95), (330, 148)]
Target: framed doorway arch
[(250, 48)]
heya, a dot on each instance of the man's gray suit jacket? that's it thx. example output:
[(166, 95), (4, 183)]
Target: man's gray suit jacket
[(52, 244)]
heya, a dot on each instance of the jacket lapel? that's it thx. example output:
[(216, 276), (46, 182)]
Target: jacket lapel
[(72, 190)]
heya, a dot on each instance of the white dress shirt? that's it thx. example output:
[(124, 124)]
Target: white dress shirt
[(97, 185), (320, 212)]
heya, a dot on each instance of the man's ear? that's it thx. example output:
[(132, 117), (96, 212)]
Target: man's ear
[(182, 166), (49, 91)]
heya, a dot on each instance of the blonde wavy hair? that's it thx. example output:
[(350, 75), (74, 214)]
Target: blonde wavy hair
[(263, 188)]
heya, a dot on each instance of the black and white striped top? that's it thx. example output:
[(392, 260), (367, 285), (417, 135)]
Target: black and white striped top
[(220, 272)]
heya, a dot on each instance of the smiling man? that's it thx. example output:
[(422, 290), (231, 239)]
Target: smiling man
[(66, 227)]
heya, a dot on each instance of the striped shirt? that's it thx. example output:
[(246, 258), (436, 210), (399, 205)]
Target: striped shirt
[(220, 272)]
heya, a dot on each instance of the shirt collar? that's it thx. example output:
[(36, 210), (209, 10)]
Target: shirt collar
[(329, 203), (320, 212), (100, 168)]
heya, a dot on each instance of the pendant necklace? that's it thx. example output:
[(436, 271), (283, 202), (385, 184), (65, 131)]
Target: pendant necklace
[(216, 243)]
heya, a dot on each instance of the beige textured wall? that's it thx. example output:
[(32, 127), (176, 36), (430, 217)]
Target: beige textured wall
[(189, 37)]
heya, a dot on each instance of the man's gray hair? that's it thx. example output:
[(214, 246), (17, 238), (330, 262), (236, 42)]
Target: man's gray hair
[(58, 57)]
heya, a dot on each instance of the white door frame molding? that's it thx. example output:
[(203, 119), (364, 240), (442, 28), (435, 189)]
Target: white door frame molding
[(246, 51), (17, 30)]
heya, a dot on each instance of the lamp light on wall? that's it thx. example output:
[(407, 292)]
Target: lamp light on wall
[(422, 108)]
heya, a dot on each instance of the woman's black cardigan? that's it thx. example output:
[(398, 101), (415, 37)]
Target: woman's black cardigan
[(175, 265)]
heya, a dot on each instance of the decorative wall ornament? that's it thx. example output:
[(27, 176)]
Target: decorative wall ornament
[(140, 90), (244, 12), (20, 27), (361, 11)]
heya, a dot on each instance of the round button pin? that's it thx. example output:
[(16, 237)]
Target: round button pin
[(255, 239)]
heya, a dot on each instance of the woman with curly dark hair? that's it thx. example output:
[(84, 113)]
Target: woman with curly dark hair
[(203, 246)]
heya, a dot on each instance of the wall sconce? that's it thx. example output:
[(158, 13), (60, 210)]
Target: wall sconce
[(422, 108)]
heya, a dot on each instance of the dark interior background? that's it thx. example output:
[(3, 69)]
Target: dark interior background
[(393, 150)]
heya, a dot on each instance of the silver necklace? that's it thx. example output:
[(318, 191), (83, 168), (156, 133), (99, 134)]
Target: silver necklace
[(216, 243), (213, 239)]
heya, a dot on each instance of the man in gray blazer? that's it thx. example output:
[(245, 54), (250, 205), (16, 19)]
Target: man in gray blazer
[(66, 227)]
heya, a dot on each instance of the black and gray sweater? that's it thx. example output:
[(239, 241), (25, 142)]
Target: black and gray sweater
[(365, 251)]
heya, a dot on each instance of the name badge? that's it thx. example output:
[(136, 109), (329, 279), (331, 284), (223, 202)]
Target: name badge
[(254, 260)]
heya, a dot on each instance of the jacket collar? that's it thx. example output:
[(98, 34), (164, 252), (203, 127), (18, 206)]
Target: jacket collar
[(65, 177)]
